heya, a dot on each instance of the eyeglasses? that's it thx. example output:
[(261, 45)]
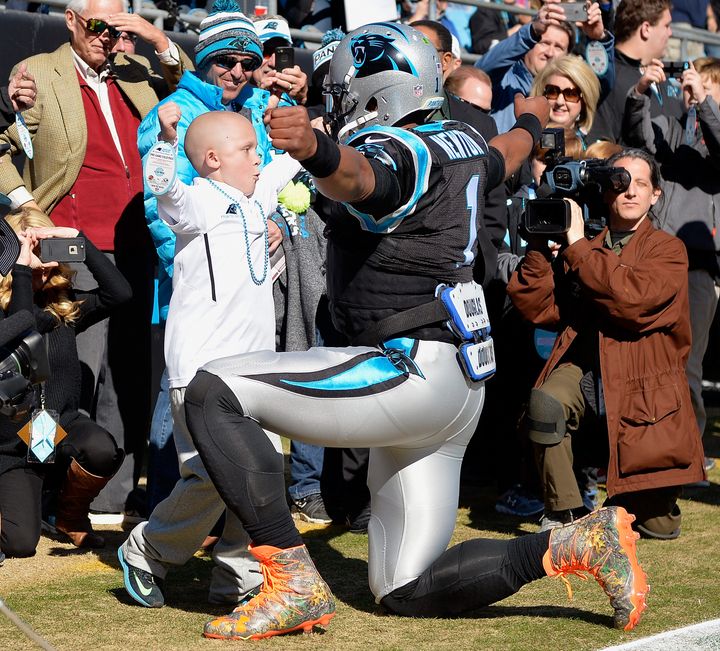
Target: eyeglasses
[(572, 95), (228, 62), (477, 106), (129, 38), (98, 26)]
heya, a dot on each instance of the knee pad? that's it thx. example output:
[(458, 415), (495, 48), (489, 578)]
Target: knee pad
[(545, 418)]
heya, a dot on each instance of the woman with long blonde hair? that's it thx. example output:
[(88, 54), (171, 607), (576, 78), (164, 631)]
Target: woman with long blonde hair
[(88, 456), (573, 91)]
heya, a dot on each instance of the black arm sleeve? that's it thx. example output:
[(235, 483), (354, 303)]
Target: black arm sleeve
[(387, 194), (113, 289), (496, 168)]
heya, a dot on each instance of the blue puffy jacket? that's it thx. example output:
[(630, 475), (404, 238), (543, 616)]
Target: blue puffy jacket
[(194, 97)]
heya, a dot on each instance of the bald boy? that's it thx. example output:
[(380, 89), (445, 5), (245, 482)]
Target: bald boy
[(221, 305)]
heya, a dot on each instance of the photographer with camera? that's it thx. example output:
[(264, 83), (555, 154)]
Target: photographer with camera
[(87, 457), (614, 384), (688, 151)]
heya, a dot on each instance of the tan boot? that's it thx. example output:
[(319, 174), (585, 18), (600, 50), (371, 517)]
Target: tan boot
[(79, 489)]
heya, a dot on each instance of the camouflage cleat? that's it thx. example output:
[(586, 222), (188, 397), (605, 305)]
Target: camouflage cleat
[(293, 597), (602, 544)]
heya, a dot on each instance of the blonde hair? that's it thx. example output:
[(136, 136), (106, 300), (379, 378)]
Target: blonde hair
[(54, 296), (709, 66), (579, 73), (602, 149)]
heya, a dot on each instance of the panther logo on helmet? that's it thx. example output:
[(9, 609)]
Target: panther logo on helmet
[(373, 53)]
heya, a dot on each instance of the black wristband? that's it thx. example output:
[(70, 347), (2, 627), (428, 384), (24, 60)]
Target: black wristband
[(531, 124), (326, 158)]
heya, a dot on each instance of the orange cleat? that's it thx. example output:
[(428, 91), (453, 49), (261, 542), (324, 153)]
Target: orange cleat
[(602, 544), (293, 597)]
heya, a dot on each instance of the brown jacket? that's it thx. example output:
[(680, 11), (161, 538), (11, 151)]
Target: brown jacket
[(639, 303), (57, 121)]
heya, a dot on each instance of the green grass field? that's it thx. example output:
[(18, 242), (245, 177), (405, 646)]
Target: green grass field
[(76, 600)]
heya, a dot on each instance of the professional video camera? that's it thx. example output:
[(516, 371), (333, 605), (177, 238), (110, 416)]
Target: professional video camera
[(23, 363), (584, 181)]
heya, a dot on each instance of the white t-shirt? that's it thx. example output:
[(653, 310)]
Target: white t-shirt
[(216, 309)]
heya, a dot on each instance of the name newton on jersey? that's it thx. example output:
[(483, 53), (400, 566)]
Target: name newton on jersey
[(457, 145)]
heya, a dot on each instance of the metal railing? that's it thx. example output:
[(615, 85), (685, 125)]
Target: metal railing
[(157, 16)]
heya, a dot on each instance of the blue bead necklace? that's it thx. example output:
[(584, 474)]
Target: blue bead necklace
[(266, 262)]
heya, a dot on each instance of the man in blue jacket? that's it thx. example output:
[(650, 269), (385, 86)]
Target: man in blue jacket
[(513, 63)]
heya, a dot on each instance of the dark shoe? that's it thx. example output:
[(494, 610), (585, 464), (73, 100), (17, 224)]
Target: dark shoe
[(142, 586), (553, 519), (311, 509), (293, 597), (602, 544), (517, 501), (359, 524)]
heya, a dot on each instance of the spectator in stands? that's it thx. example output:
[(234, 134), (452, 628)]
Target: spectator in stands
[(573, 91), (227, 52), (688, 151), (125, 43), (616, 373), (88, 456), (83, 130), (687, 14), (274, 32), (471, 85), (487, 28), (456, 109), (642, 29), (513, 63), (18, 95)]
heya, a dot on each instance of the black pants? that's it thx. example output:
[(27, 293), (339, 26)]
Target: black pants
[(21, 489)]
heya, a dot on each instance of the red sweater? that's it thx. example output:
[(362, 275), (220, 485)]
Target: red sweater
[(106, 187)]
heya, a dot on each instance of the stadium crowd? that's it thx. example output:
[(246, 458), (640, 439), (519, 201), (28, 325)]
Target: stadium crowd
[(407, 265)]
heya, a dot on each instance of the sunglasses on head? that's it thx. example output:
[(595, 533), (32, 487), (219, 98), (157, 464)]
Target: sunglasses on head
[(571, 95), (98, 26), (228, 62)]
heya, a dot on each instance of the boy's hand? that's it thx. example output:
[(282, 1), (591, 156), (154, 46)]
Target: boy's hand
[(168, 116), (291, 131)]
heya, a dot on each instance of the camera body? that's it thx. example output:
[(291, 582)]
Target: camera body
[(584, 181), (675, 69)]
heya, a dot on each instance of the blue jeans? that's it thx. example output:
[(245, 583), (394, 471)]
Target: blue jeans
[(306, 464), (163, 471)]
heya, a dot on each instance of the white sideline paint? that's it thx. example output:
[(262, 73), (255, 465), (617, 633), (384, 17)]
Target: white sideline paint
[(699, 637)]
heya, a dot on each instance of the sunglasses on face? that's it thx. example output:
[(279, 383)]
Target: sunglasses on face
[(97, 26), (571, 95), (228, 63)]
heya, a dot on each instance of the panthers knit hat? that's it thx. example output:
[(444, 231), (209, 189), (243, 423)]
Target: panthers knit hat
[(227, 31)]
